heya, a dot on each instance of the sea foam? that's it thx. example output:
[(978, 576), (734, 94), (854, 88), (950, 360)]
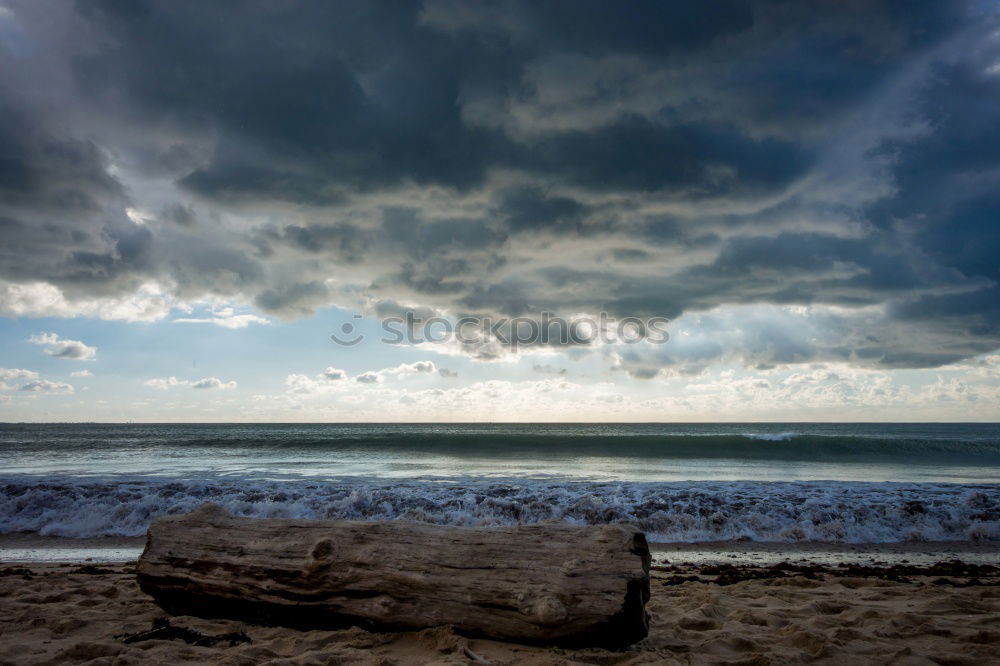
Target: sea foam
[(845, 512)]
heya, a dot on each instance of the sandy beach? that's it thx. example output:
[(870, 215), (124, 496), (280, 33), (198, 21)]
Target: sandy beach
[(500, 332), (701, 614)]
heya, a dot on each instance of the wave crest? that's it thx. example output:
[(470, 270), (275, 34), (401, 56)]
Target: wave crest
[(773, 437), (845, 512)]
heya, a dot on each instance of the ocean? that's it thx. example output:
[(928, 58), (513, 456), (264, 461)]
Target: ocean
[(791, 482)]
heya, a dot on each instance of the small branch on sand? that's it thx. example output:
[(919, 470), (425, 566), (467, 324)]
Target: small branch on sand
[(475, 657), (162, 630)]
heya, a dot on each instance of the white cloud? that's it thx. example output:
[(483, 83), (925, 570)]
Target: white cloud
[(417, 368), (164, 383), (14, 374), (400, 371), (150, 302), (332, 379), (213, 383), (45, 386), (81, 373), (40, 299), (226, 318), (32, 382), (138, 216), (17, 373), (325, 381), (62, 348), (297, 383)]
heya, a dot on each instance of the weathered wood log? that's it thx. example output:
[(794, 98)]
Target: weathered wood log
[(553, 584)]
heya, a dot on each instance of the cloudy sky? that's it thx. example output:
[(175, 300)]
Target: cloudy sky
[(194, 196)]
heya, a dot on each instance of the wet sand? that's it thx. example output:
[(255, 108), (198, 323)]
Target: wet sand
[(826, 553), (31, 547), (701, 614)]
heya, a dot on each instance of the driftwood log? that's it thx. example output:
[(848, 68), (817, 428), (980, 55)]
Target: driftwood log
[(553, 584)]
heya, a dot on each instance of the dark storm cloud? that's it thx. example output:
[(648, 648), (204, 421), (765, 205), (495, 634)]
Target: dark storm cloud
[(306, 108), (342, 239), (948, 199), (422, 238), (654, 159), (948, 188), (823, 59), (649, 28), (527, 208), (282, 84), (55, 196), (645, 156), (45, 172)]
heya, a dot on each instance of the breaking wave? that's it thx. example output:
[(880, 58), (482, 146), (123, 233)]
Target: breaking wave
[(773, 437), (845, 512)]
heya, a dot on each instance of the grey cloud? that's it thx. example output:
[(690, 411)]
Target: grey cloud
[(509, 159), (767, 337), (342, 239), (293, 300), (44, 171), (368, 378), (421, 238), (55, 195), (180, 214), (333, 374), (58, 347), (644, 372)]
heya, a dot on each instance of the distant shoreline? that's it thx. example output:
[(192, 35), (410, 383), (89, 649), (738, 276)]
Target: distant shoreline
[(458, 423)]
